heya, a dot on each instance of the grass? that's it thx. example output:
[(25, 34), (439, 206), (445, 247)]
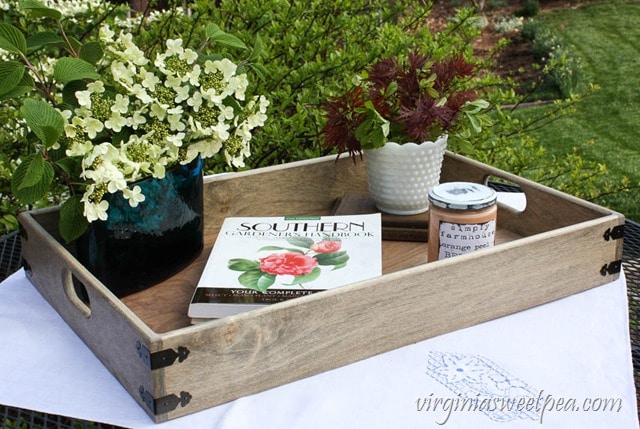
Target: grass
[(606, 126)]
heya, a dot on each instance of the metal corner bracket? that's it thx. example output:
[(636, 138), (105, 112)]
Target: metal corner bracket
[(166, 403), (162, 358), (613, 267), (615, 233)]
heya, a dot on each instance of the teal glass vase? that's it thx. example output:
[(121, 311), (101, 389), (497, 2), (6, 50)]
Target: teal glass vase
[(138, 247)]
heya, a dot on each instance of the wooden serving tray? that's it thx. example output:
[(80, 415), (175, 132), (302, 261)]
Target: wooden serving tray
[(557, 246)]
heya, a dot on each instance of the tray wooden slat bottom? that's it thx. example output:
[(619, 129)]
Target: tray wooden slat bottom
[(164, 306)]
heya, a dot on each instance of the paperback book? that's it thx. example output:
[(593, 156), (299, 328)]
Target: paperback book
[(257, 261)]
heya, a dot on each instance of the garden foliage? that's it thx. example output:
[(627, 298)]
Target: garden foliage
[(302, 53)]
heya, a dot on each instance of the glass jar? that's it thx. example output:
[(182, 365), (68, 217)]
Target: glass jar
[(462, 218)]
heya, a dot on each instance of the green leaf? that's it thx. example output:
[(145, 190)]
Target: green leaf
[(72, 166), (475, 123), (37, 9), (91, 52), (11, 73), (307, 277), (32, 179), (216, 34), (68, 69), (72, 221), (25, 85), (34, 170), (256, 52), (333, 258), (256, 280), (11, 39), (305, 242), (45, 121), (240, 264), (265, 281), (260, 70), (69, 92), (45, 38)]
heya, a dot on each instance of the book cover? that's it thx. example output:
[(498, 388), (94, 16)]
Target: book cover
[(258, 261)]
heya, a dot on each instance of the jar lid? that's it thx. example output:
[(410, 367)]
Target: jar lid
[(462, 196)]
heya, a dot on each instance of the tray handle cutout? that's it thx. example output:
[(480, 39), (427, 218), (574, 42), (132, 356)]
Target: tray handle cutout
[(76, 292), (512, 194)]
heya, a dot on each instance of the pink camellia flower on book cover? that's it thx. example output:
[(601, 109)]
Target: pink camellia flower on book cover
[(302, 260)]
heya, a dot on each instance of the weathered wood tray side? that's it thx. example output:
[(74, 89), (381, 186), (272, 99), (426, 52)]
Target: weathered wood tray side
[(562, 252), (108, 327)]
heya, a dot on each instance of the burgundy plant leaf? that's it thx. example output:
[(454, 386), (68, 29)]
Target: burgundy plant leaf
[(342, 120)]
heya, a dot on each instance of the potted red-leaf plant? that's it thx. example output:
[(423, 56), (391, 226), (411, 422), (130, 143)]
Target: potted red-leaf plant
[(400, 115)]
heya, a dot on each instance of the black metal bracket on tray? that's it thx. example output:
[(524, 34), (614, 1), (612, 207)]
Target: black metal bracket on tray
[(613, 267), (164, 404), (162, 358), (615, 233)]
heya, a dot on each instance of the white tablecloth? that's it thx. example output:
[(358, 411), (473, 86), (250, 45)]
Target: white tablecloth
[(566, 364)]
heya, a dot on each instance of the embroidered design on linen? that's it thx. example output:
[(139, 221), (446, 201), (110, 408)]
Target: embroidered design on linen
[(483, 386)]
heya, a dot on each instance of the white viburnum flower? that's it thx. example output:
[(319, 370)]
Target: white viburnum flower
[(137, 119), (175, 122), (94, 211), (174, 47), (79, 148), (241, 83), (194, 75), (131, 52), (149, 80), (96, 86), (182, 93), (159, 171), (195, 101), (176, 139), (105, 33), (84, 98), (204, 148), (97, 151), (71, 128), (226, 66), (159, 111), (92, 127), (141, 93), (121, 104), (123, 73), (226, 113), (189, 56), (117, 182), (135, 195), (116, 122), (173, 82)]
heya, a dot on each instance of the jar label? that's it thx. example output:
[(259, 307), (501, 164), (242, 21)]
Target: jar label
[(457, 239)]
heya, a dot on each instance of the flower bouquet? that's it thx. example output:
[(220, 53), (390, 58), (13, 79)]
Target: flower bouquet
[(106, 113)]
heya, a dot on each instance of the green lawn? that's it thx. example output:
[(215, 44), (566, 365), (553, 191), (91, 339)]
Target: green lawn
[(606, 126)]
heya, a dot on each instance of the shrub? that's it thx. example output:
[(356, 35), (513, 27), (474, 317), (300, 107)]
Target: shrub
[(313, 49), (307, 51), (530, 9), (561, 68)]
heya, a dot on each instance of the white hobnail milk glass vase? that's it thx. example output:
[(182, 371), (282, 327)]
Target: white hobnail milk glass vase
[(400, 176)]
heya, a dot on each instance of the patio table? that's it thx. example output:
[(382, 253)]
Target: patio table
[(570, 363)]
